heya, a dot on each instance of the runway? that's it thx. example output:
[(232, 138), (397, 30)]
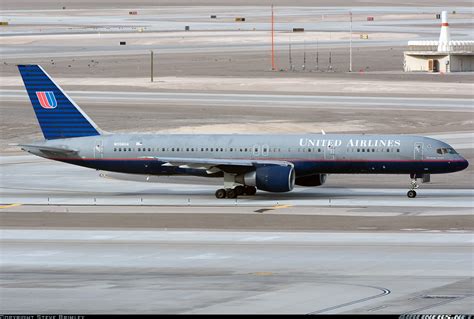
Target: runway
[(234, 272), (243, 100)]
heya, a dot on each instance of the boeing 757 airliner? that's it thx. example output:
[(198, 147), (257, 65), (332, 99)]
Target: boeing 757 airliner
[(272, 163)]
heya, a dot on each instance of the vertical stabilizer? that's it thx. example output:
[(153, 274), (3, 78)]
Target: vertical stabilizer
[(57, 114)]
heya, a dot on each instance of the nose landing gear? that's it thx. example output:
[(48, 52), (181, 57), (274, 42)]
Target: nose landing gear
[(413, 185)]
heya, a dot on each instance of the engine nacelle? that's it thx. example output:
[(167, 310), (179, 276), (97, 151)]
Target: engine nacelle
[(271, 178), (311, 180)]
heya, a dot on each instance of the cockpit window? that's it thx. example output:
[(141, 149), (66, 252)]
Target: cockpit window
[(446, 151)]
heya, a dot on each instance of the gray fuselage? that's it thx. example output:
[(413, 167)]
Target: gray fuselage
[(309, 153)]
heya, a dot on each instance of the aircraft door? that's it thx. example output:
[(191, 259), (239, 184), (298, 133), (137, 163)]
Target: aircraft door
[(418, 151), (99, 149), (330, 151)]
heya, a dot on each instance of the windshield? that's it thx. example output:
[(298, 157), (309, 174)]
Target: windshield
[(446, 150)]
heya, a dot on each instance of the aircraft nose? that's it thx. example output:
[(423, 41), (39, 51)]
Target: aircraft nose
[(462, 164)]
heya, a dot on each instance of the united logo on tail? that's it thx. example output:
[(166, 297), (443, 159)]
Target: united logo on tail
[(47, 99)]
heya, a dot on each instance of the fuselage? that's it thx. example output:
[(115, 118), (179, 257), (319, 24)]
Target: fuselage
[(309, 153)]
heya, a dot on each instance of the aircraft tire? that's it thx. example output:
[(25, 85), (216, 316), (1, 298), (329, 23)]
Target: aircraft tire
[(250, 190), (220, 193), (411, 194), (239, 190), (231, 193)]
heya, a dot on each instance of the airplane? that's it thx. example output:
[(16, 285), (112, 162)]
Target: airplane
[(272, 163)]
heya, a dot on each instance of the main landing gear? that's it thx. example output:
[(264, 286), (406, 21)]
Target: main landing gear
[(413, 185), (236, 191)]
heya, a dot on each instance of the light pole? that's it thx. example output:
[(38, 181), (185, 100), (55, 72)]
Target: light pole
[(350, 43), (151, 65)]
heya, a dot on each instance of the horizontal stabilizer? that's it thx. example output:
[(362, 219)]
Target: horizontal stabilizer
[(49, 151)]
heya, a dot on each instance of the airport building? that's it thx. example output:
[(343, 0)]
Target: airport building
[(443, 55)]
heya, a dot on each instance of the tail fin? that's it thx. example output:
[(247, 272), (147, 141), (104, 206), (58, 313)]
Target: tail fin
[(57, 114)]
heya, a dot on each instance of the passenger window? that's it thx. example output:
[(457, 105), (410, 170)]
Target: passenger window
[(398, 150), (309, 150), (139, 149), (363, 150), (149, 149), (231, 149), (222, 150), (388, 150), (115, 149), (187, 149), (319, 150), (373, 150), (358, 150)]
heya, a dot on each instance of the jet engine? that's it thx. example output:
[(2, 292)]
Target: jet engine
[(311, 180), (270, 178)]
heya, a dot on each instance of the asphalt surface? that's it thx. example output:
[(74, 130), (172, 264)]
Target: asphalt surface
[(234, 272)]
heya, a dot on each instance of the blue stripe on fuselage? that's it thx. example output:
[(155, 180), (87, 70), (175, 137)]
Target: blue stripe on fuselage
[(153, 167)]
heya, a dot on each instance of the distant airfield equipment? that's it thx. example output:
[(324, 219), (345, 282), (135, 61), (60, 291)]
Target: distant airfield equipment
[(298, 29), (123, 43), (133, 12), (240, 19), (444, 55), (364, 36), (213, 16), (187, 28), (370, 18), (4, 23)]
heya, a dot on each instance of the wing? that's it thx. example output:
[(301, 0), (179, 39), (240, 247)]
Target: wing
[(214, 165)]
